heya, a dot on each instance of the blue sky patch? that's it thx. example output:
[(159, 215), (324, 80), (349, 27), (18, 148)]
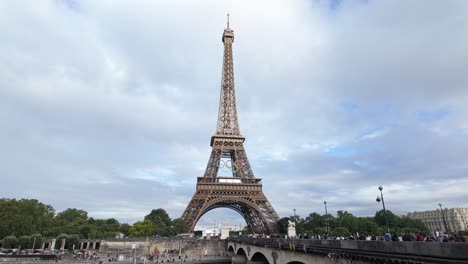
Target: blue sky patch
[(434, 115)]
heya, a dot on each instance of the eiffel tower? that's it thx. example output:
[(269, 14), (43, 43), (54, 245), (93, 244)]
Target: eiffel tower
[(241, 191)]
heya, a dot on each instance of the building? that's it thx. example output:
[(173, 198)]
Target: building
[(456, 219)]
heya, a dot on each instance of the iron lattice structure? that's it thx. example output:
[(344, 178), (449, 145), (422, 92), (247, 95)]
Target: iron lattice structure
[(241, 192)]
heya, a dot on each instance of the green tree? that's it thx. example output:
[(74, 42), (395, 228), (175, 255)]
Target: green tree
[(59, 238), (347, 220), (379, 218), (340, 231), (24, 242), (24, 217), (38, 240), (162, 222), (10, 242), (282, 225), (314, 224), (179, 226), (71, 214), (366, 225), (145, 228), (125, 229), (73, 242)]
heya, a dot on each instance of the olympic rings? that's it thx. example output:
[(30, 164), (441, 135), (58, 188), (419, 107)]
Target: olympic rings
[(229, 165)]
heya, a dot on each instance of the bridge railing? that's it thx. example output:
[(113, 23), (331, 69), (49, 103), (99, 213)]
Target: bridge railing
[(443, 250)]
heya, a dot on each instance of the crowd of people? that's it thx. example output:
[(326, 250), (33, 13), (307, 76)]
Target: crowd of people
[(431, 237)]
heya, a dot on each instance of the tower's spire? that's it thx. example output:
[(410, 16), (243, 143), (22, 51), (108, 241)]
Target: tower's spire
[(227, 115)]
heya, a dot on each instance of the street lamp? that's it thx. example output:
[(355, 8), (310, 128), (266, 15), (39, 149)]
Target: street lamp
[(294, 214), (326, 217), (380, 198), (443, 217)]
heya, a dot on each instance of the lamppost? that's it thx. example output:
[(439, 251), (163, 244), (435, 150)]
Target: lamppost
[(326, 217), (380, 198), (443, 217), (294, 214)]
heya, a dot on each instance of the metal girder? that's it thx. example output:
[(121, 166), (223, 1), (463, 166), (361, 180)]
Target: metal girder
[(242, 192)]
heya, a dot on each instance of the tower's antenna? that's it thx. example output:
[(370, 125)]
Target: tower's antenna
[(228, 20)]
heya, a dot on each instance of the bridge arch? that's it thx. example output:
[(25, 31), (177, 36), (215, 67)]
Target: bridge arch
[(241, 252), (268, 254), (230, 248), (258, 256)]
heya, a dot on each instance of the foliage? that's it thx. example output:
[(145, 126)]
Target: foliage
[(24, 242), (72, 240), (340, 231), (125, 229), (59, 238), (24, 217), (38, 242), (282, 225), (345, 224), (145, 228), (10, 242), (179, 226), (162, 222)]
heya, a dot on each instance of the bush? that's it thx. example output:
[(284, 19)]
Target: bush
[(24, 242), (10, 242), (72, 240), (38, 242), (58, 243)]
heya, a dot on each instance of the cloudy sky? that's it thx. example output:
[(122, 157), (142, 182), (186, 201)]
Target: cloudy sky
[(109, 106)]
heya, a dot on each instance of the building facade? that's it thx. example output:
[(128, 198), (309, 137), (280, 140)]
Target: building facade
[(456, 219)]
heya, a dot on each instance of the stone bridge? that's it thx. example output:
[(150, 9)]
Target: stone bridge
[(296, 251)]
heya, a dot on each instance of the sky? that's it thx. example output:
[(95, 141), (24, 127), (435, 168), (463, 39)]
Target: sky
[(109, 106)]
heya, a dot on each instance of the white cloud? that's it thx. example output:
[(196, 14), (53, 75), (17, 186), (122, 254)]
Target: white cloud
[(119, 99)]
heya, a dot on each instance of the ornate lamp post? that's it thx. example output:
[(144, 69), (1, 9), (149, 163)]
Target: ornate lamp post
[(326, 217), (380, 198), (443, 217)]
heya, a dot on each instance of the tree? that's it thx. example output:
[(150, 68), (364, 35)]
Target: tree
[(179, 226), (73, 242), (38, 242), (314, 223), (340, 231), (24, 242), (59, 238), (379, 218), (366, 226), (10, 242), (282, 225), (71, 214), (24, 217), (125, 229), (345, 219), (162, 222), (145, 228)]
